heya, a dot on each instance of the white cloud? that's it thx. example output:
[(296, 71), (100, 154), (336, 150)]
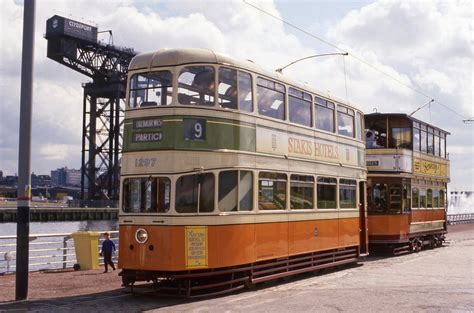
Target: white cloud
[(424, 44)]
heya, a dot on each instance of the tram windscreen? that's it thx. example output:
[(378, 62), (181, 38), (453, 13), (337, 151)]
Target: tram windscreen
[(146, 195)]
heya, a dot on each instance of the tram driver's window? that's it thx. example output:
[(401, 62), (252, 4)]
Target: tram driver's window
[(271, 191), (196, 85), (195, 193), (299, 107), (347, 193), (271, 98), (324, 114), (227, 88), (151, 89), (301, 192), (379, 196), (326, 192), (146, 195), (345, 121)]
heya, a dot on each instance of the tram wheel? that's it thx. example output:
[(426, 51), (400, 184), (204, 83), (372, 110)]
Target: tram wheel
[(127, 281)]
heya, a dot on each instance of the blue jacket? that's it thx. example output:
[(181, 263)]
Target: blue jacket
[(108, 246)]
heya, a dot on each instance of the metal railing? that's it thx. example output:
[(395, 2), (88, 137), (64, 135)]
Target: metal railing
[(47, 251), (462, 218)]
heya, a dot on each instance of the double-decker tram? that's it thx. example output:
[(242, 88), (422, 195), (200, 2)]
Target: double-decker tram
[(233, 175), (408, 171)]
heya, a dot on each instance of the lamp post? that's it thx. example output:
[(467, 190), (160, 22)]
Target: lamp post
[(24, 154), (280, 70)]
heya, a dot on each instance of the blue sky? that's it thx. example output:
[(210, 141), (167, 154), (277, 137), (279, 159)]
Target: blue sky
[(425, 44)]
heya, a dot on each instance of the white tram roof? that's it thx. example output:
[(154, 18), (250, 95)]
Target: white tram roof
[(173, 57)]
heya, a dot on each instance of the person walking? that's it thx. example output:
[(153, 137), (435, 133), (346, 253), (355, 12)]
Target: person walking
[(108, 247)]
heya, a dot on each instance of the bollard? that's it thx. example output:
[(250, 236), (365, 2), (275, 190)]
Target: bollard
[(87, 254)]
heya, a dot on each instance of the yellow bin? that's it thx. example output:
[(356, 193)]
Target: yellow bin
[(87, 251)]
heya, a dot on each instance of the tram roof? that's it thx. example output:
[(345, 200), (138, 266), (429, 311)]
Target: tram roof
[(173, 57), (406, 116)]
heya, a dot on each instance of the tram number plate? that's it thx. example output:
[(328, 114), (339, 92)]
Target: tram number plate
[(194, 129)]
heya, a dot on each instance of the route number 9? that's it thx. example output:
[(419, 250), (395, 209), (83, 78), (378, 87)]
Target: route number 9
[(194, 129)]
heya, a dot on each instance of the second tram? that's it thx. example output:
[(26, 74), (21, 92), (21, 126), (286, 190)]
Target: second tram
[(408, 172), (233, 175)]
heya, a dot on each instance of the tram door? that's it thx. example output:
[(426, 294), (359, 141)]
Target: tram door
[(362, 218)]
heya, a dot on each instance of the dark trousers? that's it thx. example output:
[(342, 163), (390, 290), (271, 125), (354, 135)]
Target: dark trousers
[(108, 261)]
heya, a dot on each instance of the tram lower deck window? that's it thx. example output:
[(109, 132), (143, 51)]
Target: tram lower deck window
[(195, 193), (347, 193), (326, 193), (271, 191), (146, 195), (301, 192), (235, 191)]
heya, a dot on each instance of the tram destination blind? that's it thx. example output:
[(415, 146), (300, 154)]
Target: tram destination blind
[(194, 129)]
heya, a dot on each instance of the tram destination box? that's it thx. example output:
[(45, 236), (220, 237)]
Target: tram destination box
[(57, 26)]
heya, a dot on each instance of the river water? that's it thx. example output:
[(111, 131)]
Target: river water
[(9, 229)]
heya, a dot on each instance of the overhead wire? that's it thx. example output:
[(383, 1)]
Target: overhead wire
[(354, 56)]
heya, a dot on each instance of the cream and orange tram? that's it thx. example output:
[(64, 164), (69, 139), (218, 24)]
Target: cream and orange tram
[(233, 175)]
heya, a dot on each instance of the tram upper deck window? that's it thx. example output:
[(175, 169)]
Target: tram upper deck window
[(299, 107), (146, 195), (235, 89), (430, 145), (375, 133), (235, 191), (151, 89), (436, 143), (347, 193), (196, 85), (270, 98), (271, 191), (401, 138), (416, 139), (423, 140), (326, 192), (359, 126), (442, 146), (195, 193), (301, 192), (245, 92), (345, 121), (324, 114)]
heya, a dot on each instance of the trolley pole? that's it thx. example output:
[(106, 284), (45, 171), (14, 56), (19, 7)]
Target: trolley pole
[(24, 155)]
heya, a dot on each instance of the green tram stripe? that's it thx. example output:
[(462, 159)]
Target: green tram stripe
[(220, 134)]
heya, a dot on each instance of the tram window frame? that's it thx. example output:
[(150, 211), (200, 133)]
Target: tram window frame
[(240, 196), (343, 116), (274, 183), (415, 202), (395, 204), (401, 137), (201, 84), (429, 198), (347, 189), (227, 88), (326, 187), (441, 198), (150, 199), (423, 204), (423, 141), (380, 200), (324, 108), (430, 143), (206, 192), (435, 198), (300, 107), (359, 126), (146, 87), (299, 187), (269, 93), (416, 139), (436, 146)]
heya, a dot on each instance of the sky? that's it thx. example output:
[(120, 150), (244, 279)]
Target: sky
[(425, 45)]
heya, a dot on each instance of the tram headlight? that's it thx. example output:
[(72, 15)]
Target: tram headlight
[(141, 236)]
